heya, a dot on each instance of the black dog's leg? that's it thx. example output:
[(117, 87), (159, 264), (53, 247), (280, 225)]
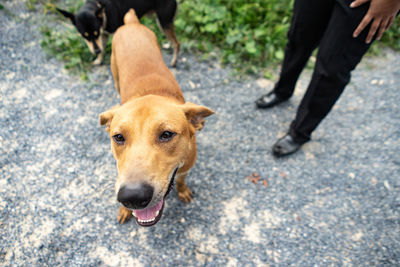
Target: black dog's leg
[(166, 11)]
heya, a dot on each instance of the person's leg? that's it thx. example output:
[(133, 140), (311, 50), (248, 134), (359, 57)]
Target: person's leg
[(309, 21), (339, 53)]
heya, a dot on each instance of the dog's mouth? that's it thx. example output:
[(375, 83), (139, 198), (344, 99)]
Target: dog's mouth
[(151, 215)]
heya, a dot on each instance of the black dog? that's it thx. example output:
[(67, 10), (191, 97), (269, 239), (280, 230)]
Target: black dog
[(99, 18)]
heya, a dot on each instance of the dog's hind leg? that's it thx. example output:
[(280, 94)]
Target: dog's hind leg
[(170, 33), (165, 17)]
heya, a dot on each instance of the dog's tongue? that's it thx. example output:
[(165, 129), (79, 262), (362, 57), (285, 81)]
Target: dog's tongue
[(149, 213)]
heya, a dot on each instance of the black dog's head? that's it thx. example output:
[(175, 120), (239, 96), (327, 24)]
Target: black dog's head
[(89, 21)]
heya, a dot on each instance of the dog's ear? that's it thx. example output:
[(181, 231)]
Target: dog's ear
[(100, 10), (196, 114), (106, 117), (67, 14)]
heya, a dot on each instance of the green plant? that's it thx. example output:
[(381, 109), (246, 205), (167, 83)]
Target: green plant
[(31, 4), (391, 38), (249, 34), (67, 46)]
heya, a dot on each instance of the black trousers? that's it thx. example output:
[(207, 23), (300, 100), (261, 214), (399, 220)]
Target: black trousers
[(328, 25)]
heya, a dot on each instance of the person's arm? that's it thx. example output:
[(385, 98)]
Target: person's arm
[(382, 14)]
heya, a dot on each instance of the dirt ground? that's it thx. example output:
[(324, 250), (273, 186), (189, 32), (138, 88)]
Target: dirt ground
[(334, 203)]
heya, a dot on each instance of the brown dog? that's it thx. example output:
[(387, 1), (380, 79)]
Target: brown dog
[(153, 131)]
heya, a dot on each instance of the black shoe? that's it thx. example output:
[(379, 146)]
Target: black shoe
[(269, 100), (286, 146)]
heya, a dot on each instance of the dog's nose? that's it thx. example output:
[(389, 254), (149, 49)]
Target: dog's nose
[(97, 51), (135, 196)]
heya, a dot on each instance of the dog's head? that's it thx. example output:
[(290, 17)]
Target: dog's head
[(151, 139), (90, 23)]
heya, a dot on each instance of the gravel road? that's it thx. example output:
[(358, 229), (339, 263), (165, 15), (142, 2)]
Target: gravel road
[(335, 203)]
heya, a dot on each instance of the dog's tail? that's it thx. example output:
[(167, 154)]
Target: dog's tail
[(130, 17)]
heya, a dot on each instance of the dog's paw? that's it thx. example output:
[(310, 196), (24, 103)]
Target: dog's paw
[(185, 194), (124, 215), (98, 61), (173, 62)]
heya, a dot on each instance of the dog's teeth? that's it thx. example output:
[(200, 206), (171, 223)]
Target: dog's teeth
[(146, 221)]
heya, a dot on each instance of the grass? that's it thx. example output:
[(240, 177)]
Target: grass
[(65, 46), (250, 36)]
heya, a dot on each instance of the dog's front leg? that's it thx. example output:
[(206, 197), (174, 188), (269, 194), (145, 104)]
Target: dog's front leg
[(124, 215), (100, 57), (98, 60), (184, 193)]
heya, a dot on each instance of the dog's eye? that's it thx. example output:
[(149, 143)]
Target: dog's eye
[(166, 136), (119, 139)]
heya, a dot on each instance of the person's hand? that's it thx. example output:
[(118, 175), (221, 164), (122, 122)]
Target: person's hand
[(382, 14)]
